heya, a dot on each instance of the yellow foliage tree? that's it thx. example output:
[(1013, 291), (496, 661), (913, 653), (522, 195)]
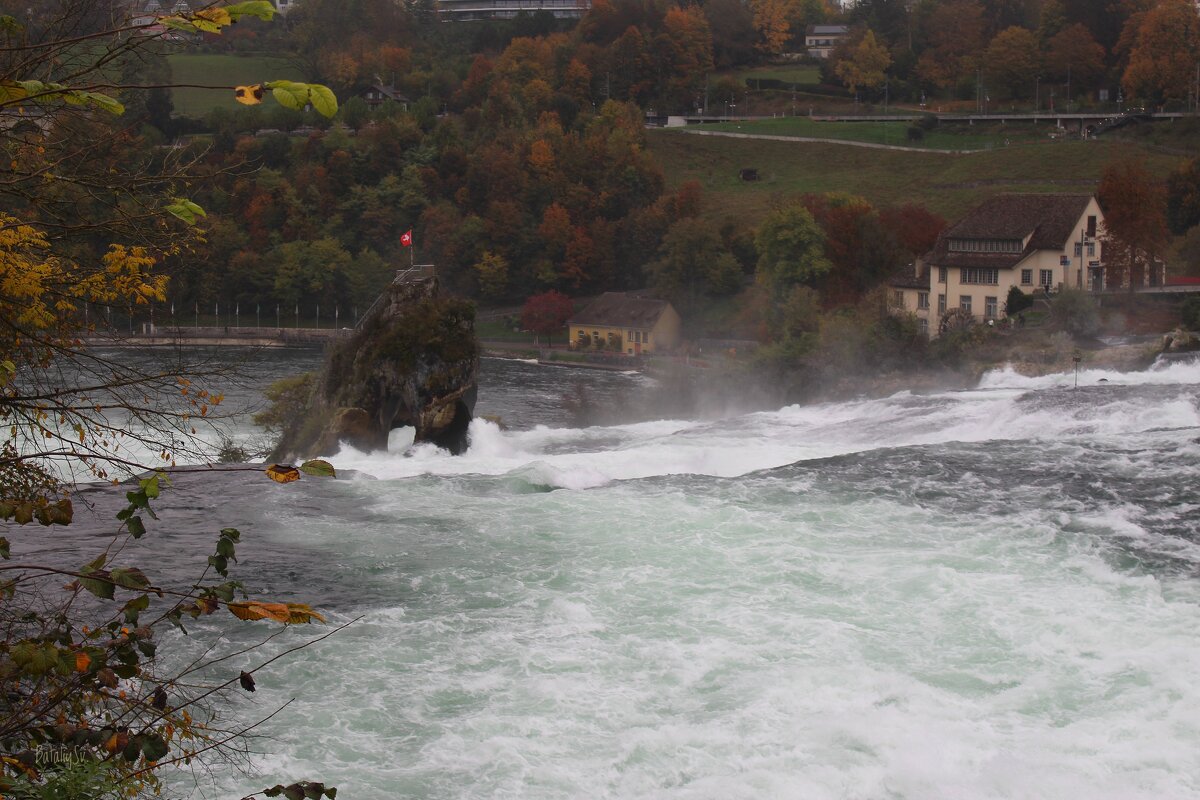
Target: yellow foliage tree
[(771, 22), (866, 65)]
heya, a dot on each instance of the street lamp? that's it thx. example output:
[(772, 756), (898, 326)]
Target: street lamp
[(1037, 94)]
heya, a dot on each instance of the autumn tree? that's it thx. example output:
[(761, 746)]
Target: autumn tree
[(915, 227), (770, 20), (91, 214), (1162, 64), (1073, 51), (955, 41), (1134, 233), (545, 314), (865, 66), (791, 251), (1013, 61), (693, 263)]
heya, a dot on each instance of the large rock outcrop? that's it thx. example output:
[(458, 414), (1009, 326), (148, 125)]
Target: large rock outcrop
[(412, 362)]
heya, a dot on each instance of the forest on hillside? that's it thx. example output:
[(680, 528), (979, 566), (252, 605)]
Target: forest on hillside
[(518, 155)]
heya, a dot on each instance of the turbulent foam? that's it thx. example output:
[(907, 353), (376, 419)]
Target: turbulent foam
[(980, 594), (999, 409)]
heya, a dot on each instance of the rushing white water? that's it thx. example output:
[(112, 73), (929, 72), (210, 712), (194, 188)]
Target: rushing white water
[(980, 594)]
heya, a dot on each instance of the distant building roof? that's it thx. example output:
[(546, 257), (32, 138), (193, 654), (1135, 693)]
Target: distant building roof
[(621, 310), (909, 277), (1046, 219), (388, 92), (828, 30)]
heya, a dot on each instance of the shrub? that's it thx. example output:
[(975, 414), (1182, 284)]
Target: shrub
[(1074, 312), (915, 134), (928, 122), (1017, 301)]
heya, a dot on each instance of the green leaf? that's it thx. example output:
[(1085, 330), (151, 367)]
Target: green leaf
[(261, 9), (153, 747), (5, 551), (318, 467), (181, 211), (147, 648), (98, 582), (289, 94), (220, 564), (135, 607), (129, 578), (133, 749), (23, 514), (100, 100), (323, 100), (125, 670), (178, 24), (137, 528), (150, 485), (225, 548), (95, 564), (231, 533)]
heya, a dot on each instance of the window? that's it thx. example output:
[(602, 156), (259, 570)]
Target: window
[(1026, 277), (898, 298), (1091, 248), (1046, 277), (987, 277), (964, 302), (941, 304), (986, 245), (922, 299), (989, 307), (1091, 225), (1078, 249), (646, 338), (942, 271), (924, 323)]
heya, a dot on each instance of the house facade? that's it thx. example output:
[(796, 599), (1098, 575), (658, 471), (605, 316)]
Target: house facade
[(625, 322), (1037, 243), (820, 40)]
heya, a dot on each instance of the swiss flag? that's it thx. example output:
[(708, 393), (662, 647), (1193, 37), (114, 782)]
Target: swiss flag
[(406, 239)]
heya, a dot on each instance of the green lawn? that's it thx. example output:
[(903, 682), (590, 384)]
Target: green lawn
[(947, 184), (944, 137), (222, 70), (799, 74)]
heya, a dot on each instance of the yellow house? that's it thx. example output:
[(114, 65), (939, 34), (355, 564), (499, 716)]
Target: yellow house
[(625, 322), (1036, 242)]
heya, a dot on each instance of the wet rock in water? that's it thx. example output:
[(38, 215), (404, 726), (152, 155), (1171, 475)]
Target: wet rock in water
[(413, 361), (1180, 341)]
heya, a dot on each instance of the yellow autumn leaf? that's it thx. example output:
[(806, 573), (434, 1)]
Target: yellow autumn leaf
[(248, 95), (283, 473), (287, 613)]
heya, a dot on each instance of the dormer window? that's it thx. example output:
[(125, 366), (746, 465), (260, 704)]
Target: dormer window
[(986, 245)]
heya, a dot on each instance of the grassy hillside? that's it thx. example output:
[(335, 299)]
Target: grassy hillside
[(944, 137), (221, 70), (946, 184)]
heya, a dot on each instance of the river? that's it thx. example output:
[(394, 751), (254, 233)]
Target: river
[(989, 593)]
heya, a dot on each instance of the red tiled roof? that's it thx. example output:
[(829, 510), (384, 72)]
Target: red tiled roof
[(1047, 219), (621, 310)]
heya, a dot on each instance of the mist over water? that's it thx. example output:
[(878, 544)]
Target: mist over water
[(988, 594)]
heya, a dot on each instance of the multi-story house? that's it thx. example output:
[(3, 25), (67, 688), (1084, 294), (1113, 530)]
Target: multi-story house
[(1039, 243)]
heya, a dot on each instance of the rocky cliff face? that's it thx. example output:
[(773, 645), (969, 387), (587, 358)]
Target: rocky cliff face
[(413, 362)]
